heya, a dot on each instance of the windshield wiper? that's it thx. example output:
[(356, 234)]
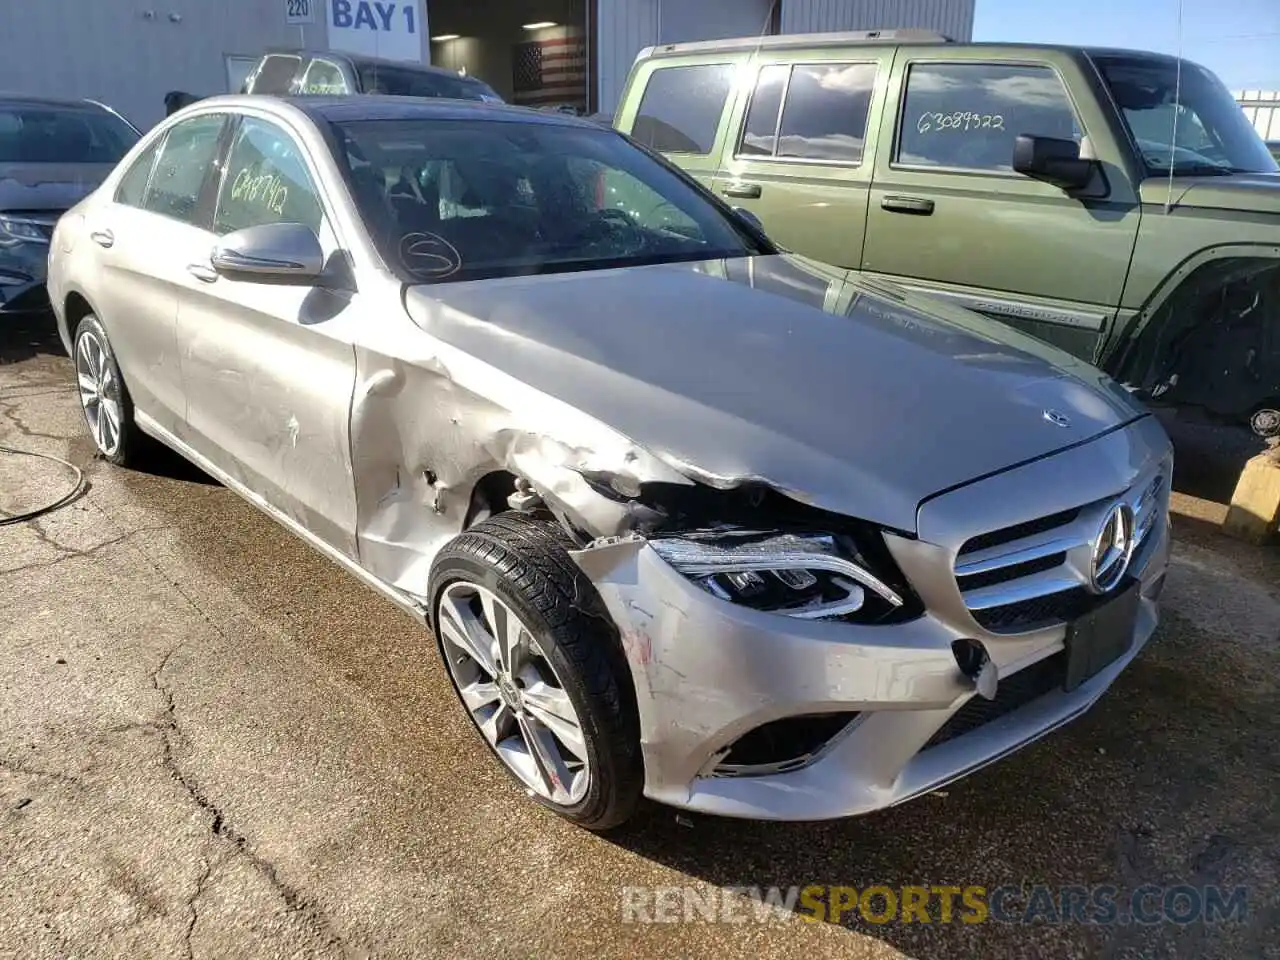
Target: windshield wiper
[(1193, 170)]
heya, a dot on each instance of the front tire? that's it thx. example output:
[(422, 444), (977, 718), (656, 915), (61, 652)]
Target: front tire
[(104, 398), (538, 666)]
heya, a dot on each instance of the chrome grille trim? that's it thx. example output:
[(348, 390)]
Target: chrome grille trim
[(1003, 573)]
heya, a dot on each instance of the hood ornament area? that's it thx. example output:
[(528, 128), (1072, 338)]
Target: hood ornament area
[(1057, 419)]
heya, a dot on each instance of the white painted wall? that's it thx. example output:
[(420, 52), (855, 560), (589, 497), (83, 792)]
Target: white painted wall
[(112, 50)]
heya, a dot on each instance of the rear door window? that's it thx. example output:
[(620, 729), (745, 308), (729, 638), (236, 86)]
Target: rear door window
[(811, 111), (276, 74), (185, 159), (967, 115), (681, 108)]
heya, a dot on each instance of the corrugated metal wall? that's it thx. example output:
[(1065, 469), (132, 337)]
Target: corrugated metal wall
[(951, 17), (628, 26), (624, 28), (110, 50)]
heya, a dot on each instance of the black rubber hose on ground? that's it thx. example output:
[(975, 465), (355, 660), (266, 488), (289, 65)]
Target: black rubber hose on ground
[(76, 491)]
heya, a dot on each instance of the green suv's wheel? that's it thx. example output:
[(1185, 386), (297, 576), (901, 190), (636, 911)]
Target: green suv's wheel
[(539, 668)]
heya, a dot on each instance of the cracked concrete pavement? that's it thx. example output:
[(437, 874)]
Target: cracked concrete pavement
[(215, 743)]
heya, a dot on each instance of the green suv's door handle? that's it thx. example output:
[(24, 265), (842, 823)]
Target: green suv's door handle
[(744, 191), (917, 205)]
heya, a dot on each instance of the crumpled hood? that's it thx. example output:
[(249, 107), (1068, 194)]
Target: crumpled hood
[(1247, 192), (857, 399), (48, 186)]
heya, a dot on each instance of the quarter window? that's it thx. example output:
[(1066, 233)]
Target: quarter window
[(681, 108), (187, 154), (968, 115), (266, 181), (324, 77), (276, 74), (823, 117), (133, 185)]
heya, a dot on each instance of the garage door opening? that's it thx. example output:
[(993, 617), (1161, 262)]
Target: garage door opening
[(532, 52)]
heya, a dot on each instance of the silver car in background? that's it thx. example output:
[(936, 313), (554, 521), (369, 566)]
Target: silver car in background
[(688, 517)]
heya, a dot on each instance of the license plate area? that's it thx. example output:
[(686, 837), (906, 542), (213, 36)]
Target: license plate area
[(1101, 636)]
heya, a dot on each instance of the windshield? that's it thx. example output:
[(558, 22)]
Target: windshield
[(468, 199), (40, 134), (1212, 134), (402, 82)]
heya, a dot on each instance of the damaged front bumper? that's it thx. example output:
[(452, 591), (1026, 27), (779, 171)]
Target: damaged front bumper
[(709, 673)]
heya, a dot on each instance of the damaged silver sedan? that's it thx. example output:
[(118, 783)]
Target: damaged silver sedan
[(689, 518)]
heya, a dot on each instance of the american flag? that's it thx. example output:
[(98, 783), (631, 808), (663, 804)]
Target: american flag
[(552, 69)]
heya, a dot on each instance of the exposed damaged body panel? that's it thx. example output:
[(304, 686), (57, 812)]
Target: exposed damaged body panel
[(741, 376)]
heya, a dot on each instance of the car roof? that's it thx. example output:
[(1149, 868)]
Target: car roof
[(360, 60), (874, 38), (381, 107), (66, 103)]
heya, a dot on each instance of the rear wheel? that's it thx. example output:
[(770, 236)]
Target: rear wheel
[(104, 398), (539, 668)]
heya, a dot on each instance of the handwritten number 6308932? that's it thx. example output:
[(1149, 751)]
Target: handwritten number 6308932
[(962, 120)]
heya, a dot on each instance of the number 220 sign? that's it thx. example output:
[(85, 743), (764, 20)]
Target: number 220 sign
[(299, 11)]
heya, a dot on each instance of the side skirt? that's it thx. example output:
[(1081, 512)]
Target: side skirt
[(404, 601)]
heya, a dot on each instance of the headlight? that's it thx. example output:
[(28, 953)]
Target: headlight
[(810, 576), (22, 230)]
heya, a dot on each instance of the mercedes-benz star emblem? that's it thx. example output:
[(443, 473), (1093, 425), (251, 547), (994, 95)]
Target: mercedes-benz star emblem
[(1112, 549), (1057, 419)]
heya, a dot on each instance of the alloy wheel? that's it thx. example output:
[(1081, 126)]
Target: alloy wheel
[(513, 693), (99, 392)]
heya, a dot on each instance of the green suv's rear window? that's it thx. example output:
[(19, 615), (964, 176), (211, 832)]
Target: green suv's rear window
[(681, 108)]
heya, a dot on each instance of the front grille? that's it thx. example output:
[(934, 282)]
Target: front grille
[(1013, 692), (1033, 574), (1019, 530)]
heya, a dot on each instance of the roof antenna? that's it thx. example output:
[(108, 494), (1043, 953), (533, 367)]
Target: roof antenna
[(1177, 107)]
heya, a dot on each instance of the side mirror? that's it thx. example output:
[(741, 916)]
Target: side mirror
[(1053, 161), (745, 214), (284, 253)]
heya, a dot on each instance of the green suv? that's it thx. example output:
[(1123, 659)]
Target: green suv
[(1115, 203)]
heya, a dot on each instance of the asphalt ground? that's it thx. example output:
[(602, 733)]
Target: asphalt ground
[(215, 743)]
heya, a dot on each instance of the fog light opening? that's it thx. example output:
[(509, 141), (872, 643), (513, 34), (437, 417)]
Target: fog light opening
[(782, 745), (975, 663)]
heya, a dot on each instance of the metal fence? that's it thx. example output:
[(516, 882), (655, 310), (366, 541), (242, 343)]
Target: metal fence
[(1262, 108)]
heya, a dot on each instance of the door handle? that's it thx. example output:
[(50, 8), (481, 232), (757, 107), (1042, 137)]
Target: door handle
[(915, 205), (103, 238), (743, 191), (202, 271)]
